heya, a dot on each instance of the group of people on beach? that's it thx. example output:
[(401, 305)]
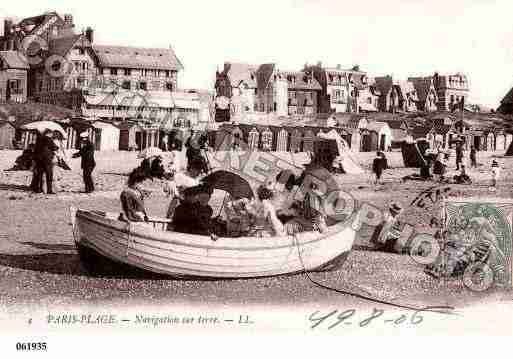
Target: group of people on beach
[(276, 210), (47, 152), (435, 164)]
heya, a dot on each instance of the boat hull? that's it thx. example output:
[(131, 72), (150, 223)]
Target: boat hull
[(184, 255)]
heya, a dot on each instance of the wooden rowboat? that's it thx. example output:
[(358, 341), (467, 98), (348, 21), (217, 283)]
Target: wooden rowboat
[(153, 249)]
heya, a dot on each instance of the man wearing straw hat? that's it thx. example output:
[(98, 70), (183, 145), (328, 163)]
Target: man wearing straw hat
[(87, 161)]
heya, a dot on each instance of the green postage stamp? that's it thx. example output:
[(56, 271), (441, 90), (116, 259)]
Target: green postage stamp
[(478, 233)]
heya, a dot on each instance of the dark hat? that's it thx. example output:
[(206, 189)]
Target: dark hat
[(395, 208)]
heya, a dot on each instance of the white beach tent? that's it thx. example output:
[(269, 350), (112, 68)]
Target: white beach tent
[(106, 137), (344, 154)]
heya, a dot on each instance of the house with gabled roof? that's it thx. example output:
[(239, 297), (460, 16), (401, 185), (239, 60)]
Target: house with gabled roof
[(426, 92), (408, 97), (239, 86), (389, 100), (13, 76)]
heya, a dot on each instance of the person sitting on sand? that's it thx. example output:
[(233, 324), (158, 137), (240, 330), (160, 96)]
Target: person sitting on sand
[(462, 178), (132, 198), (386, 234)]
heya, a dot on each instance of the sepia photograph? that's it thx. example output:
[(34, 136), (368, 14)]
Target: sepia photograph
[(181, 170)]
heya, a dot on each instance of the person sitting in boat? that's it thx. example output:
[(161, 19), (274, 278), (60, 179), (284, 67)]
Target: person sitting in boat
[(266, 222), (313, 209), (284, 195), (132, 198), (238, 217), (177, 182), (194, 215)]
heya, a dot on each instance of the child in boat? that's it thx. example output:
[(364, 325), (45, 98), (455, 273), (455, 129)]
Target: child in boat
[(238, 218), (266, 222), (177, 182), (132, 198)]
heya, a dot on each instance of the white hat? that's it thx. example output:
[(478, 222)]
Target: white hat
[(84, 135)]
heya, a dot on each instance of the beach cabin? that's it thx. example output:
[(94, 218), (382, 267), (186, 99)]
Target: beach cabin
[(106, 136), (282, 140), (308, 141), (266, 142), (130, 135), (74, 127), (296, 141), (7, 133), (384, 133)]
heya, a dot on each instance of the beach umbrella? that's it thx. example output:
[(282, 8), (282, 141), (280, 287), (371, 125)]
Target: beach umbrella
[(42, 126), (150, 152), (229, 182)]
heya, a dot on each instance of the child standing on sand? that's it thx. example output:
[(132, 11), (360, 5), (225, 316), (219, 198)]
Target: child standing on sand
[(496, 171), (473, 158)]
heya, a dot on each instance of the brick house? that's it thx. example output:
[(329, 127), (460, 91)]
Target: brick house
[(451, 90), (303, 92), (13, 76)]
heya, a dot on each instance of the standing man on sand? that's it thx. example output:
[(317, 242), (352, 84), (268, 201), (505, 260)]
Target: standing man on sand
[(44, 153), (87, 161)]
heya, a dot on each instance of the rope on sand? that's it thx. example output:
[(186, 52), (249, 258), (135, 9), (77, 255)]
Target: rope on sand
[(434, 309)]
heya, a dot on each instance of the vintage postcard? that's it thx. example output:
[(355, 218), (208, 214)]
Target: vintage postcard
[(185, 170)]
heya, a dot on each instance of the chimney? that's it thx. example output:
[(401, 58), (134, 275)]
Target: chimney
[(89, 34), (339, 67), (68, 21)]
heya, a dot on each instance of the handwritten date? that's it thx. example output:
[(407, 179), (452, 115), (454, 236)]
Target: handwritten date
[(349, 317)]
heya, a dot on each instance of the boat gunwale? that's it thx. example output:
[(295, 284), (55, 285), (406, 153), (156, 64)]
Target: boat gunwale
[(93, 217)]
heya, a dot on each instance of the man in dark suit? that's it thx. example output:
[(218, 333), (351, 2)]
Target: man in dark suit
[(44, 153), (87, 162)]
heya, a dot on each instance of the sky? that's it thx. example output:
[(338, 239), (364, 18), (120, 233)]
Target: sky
[(393, 37)]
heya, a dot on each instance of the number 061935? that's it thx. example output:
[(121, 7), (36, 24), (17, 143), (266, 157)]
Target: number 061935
[(28, 346)]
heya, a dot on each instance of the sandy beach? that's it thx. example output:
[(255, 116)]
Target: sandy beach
[(39, 265)]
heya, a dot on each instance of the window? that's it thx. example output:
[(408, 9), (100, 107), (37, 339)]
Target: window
[(128, 72), (114, 71), (100, 71), (275, 107), (143, 85), (169, 86), (452, 98), (81, 51), (126, 85), (256, 91), (167, 73)]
